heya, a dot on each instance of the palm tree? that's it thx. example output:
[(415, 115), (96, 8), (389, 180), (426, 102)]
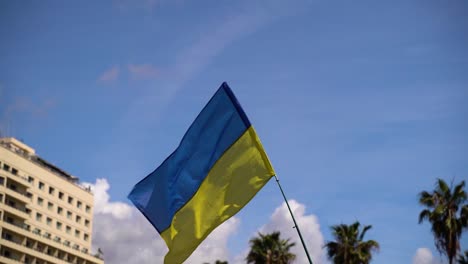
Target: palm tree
[(463, 259), (349, 246), (442, 211), (269, 249)]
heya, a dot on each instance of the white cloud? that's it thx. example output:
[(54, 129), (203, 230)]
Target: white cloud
[(215, 246), (127, 240), (424, 256), (190, 61), (143, 71), (126, 236), (102, 205), (281, 221), (23, 107), (110, 75), (240, 259)]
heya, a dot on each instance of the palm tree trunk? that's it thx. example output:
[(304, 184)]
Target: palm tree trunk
[(345, 258), (450, 251)]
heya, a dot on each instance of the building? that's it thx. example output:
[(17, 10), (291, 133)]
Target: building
[(45, 215)]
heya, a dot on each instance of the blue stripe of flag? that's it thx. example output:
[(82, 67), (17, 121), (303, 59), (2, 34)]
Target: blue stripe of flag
[(163, 192)]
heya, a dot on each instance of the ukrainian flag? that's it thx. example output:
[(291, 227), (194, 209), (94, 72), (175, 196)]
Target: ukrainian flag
[(217, 169)]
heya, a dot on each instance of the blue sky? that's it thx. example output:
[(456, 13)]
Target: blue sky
[(360, 105)]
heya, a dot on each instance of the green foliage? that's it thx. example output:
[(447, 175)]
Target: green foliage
[(349, 246), (270, 249), (447, 211)]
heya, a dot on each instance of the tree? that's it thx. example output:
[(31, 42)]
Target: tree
[(349, 246), (447, 211), (221, 262), (269, 249), (463, 259)]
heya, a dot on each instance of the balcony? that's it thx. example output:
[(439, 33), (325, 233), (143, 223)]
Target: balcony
[(65, 246), (23, 213), (9, 244), (4, 259), (30, 251), (18, 195)]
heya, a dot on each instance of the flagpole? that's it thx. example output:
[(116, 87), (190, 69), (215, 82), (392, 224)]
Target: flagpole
[(294, 220)]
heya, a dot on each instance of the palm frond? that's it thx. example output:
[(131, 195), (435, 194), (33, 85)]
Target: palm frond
[(442, 186), (364, 230), (424, 215)]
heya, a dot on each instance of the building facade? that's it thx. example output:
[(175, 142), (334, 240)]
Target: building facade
[(45, 215)]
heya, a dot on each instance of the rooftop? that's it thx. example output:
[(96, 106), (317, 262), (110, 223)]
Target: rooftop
[(29, 153)]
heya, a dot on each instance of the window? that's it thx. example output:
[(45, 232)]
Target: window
[(86, 237), (8, 237), (29, 244), (61, 195), (59, 210), (40, 201), (59, 225), (86, 222), (69, 215), (78, 219), (38, 217), (68, 229), (88, 208), (6, 167), (78, 204), (70, 200), (49, 221), (51, 190), (50, 206), (77, 233), (2, 180), (29, 195), (14, 171), (30, 179), (41, 186)]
